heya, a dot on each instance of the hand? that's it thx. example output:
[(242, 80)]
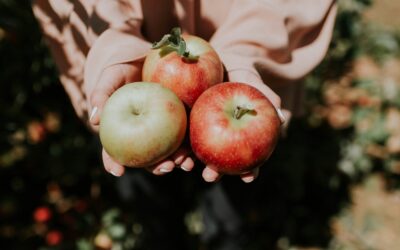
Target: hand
[(210, 174), (110, 80)]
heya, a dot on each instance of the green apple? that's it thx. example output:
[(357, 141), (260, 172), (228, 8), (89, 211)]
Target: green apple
[(142, 123)]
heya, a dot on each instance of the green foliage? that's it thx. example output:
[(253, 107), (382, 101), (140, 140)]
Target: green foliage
[(356, 90), (47, 156)]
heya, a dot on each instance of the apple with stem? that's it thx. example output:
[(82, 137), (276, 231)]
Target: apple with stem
[(186, 64), (142, 123), (233, 128)]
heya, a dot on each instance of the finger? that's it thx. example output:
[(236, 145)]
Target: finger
[(253, 79), (112, 166), (162, 167), (250, 176), (210, 175), (281, 115), (285, 122), (269, 93), (110, 80), (188, 164), (180, 155)]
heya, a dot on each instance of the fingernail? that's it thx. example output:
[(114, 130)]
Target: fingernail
[(184, 168), (208, 177), (94, 111), (165, 170), (281, 115), (179, 160), (248, 179), (115, 174)]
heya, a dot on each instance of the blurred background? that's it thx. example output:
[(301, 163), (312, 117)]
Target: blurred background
[(332, 183)]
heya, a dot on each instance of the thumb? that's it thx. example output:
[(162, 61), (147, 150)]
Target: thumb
[(109, 81), (252, 78)]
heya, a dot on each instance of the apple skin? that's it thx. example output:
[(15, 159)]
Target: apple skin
[(228, 144), (142, 123), (188, 79)]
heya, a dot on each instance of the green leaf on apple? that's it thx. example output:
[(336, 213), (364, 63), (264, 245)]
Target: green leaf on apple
[(174, 42)]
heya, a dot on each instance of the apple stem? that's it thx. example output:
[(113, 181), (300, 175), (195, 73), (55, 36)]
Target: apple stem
[(240, 111), (175, 42)]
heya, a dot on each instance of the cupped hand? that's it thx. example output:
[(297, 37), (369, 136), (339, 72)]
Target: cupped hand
[(109, 81), (210, 174)]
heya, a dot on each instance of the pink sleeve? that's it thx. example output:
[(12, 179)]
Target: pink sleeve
[(275, 39), (54, 18), (85, 37), (122, 42)]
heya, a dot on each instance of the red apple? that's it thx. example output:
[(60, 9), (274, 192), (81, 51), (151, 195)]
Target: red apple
[(142, 123), (233, 127), (186, 64), (42, 214)]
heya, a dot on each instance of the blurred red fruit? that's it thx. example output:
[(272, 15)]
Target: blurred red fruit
[(42, 214), (36, 131), (54, 237)]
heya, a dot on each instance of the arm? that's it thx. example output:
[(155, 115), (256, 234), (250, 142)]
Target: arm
[(101, 46), (53, 18)]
